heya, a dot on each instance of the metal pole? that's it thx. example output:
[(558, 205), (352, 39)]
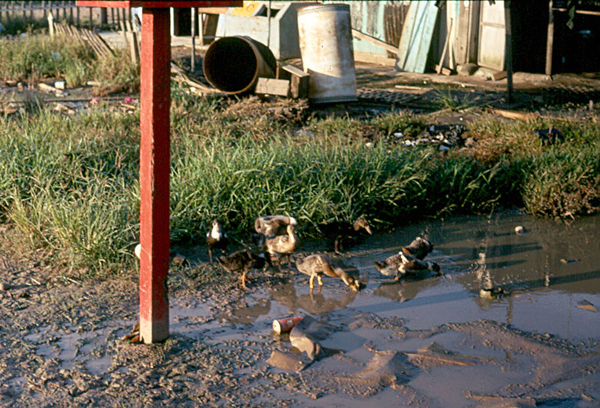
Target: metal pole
[(154, 174)]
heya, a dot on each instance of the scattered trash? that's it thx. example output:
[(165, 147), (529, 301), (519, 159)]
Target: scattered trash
[(515, 115), (62, 85), (447, 136), (95, 101), (519, 230), (288, 361), (285, 324), (550, 136), (134, 336), (386, 369), (585, 305), (306, 334), (568, 261), (128, 100)]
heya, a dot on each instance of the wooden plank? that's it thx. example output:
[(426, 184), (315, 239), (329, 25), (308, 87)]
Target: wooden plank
[(496, 76), (443, 70), (365, 37), (448, 35), (374, 59), (125, 4), (270, 86), (299, 81), (416, 36)]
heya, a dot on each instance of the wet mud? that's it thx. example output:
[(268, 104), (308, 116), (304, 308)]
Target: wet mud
[(437, 341)]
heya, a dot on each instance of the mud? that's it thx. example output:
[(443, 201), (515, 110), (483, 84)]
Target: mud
[(432, 342)]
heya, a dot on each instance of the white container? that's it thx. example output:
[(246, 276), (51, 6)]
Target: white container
[(325, 36)]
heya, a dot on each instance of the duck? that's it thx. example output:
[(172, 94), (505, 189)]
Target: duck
[(402, 264), (216, 238), (269, 226), (343, 235), (419, 248), (240, 263), (282, 244), (317, 265)]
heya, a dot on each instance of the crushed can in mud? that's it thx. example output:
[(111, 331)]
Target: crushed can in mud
[(285, 324)]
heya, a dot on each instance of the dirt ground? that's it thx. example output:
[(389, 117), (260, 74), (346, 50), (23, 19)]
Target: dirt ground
[(62, 340)]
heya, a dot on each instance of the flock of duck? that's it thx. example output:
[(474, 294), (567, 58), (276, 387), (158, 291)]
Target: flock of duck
[(277, 239)]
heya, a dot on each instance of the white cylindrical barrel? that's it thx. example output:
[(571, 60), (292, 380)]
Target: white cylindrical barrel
[(325, 36)]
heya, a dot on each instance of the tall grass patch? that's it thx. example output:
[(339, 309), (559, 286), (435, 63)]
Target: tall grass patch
[(70, 184)]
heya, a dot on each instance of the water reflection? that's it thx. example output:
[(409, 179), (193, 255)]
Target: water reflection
[(534, 270)]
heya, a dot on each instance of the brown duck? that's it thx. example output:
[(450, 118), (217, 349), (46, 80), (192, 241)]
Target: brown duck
[(401, 265), (342, 235), (240, 263), (282, 245), (419, 248), (319, 265), (269, 226)]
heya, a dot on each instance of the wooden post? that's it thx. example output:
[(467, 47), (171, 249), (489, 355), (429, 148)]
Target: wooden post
[(550, 40), (51, 24), (24, 13), (201, 28), (509, 68), (154, 174), (193, 61), (103, 16)]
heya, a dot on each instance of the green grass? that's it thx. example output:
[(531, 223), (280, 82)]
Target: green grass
[(70, 184), (37, 57)]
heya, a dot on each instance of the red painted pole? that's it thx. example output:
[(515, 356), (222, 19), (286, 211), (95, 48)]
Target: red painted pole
[(154, 174)]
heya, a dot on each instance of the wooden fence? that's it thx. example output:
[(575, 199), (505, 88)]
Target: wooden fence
[(27, 12)]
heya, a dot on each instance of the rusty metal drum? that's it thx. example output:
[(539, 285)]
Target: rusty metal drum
[(325, 36)]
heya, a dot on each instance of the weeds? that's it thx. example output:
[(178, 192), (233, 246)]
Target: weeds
[(36, 57), (70, 184)]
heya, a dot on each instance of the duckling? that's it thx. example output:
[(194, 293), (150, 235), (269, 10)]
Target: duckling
[(343, 234), (282, 244), (419, 248), (240, 262), (269, 226), (402, 264), (317, 265), (216, 238)]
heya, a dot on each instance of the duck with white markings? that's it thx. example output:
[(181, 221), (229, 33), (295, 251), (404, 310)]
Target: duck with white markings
[(216, 238), (401, 265), (419, 248)]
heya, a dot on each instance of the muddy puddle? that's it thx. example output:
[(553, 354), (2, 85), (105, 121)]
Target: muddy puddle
[(432, 342), (439, 341)]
